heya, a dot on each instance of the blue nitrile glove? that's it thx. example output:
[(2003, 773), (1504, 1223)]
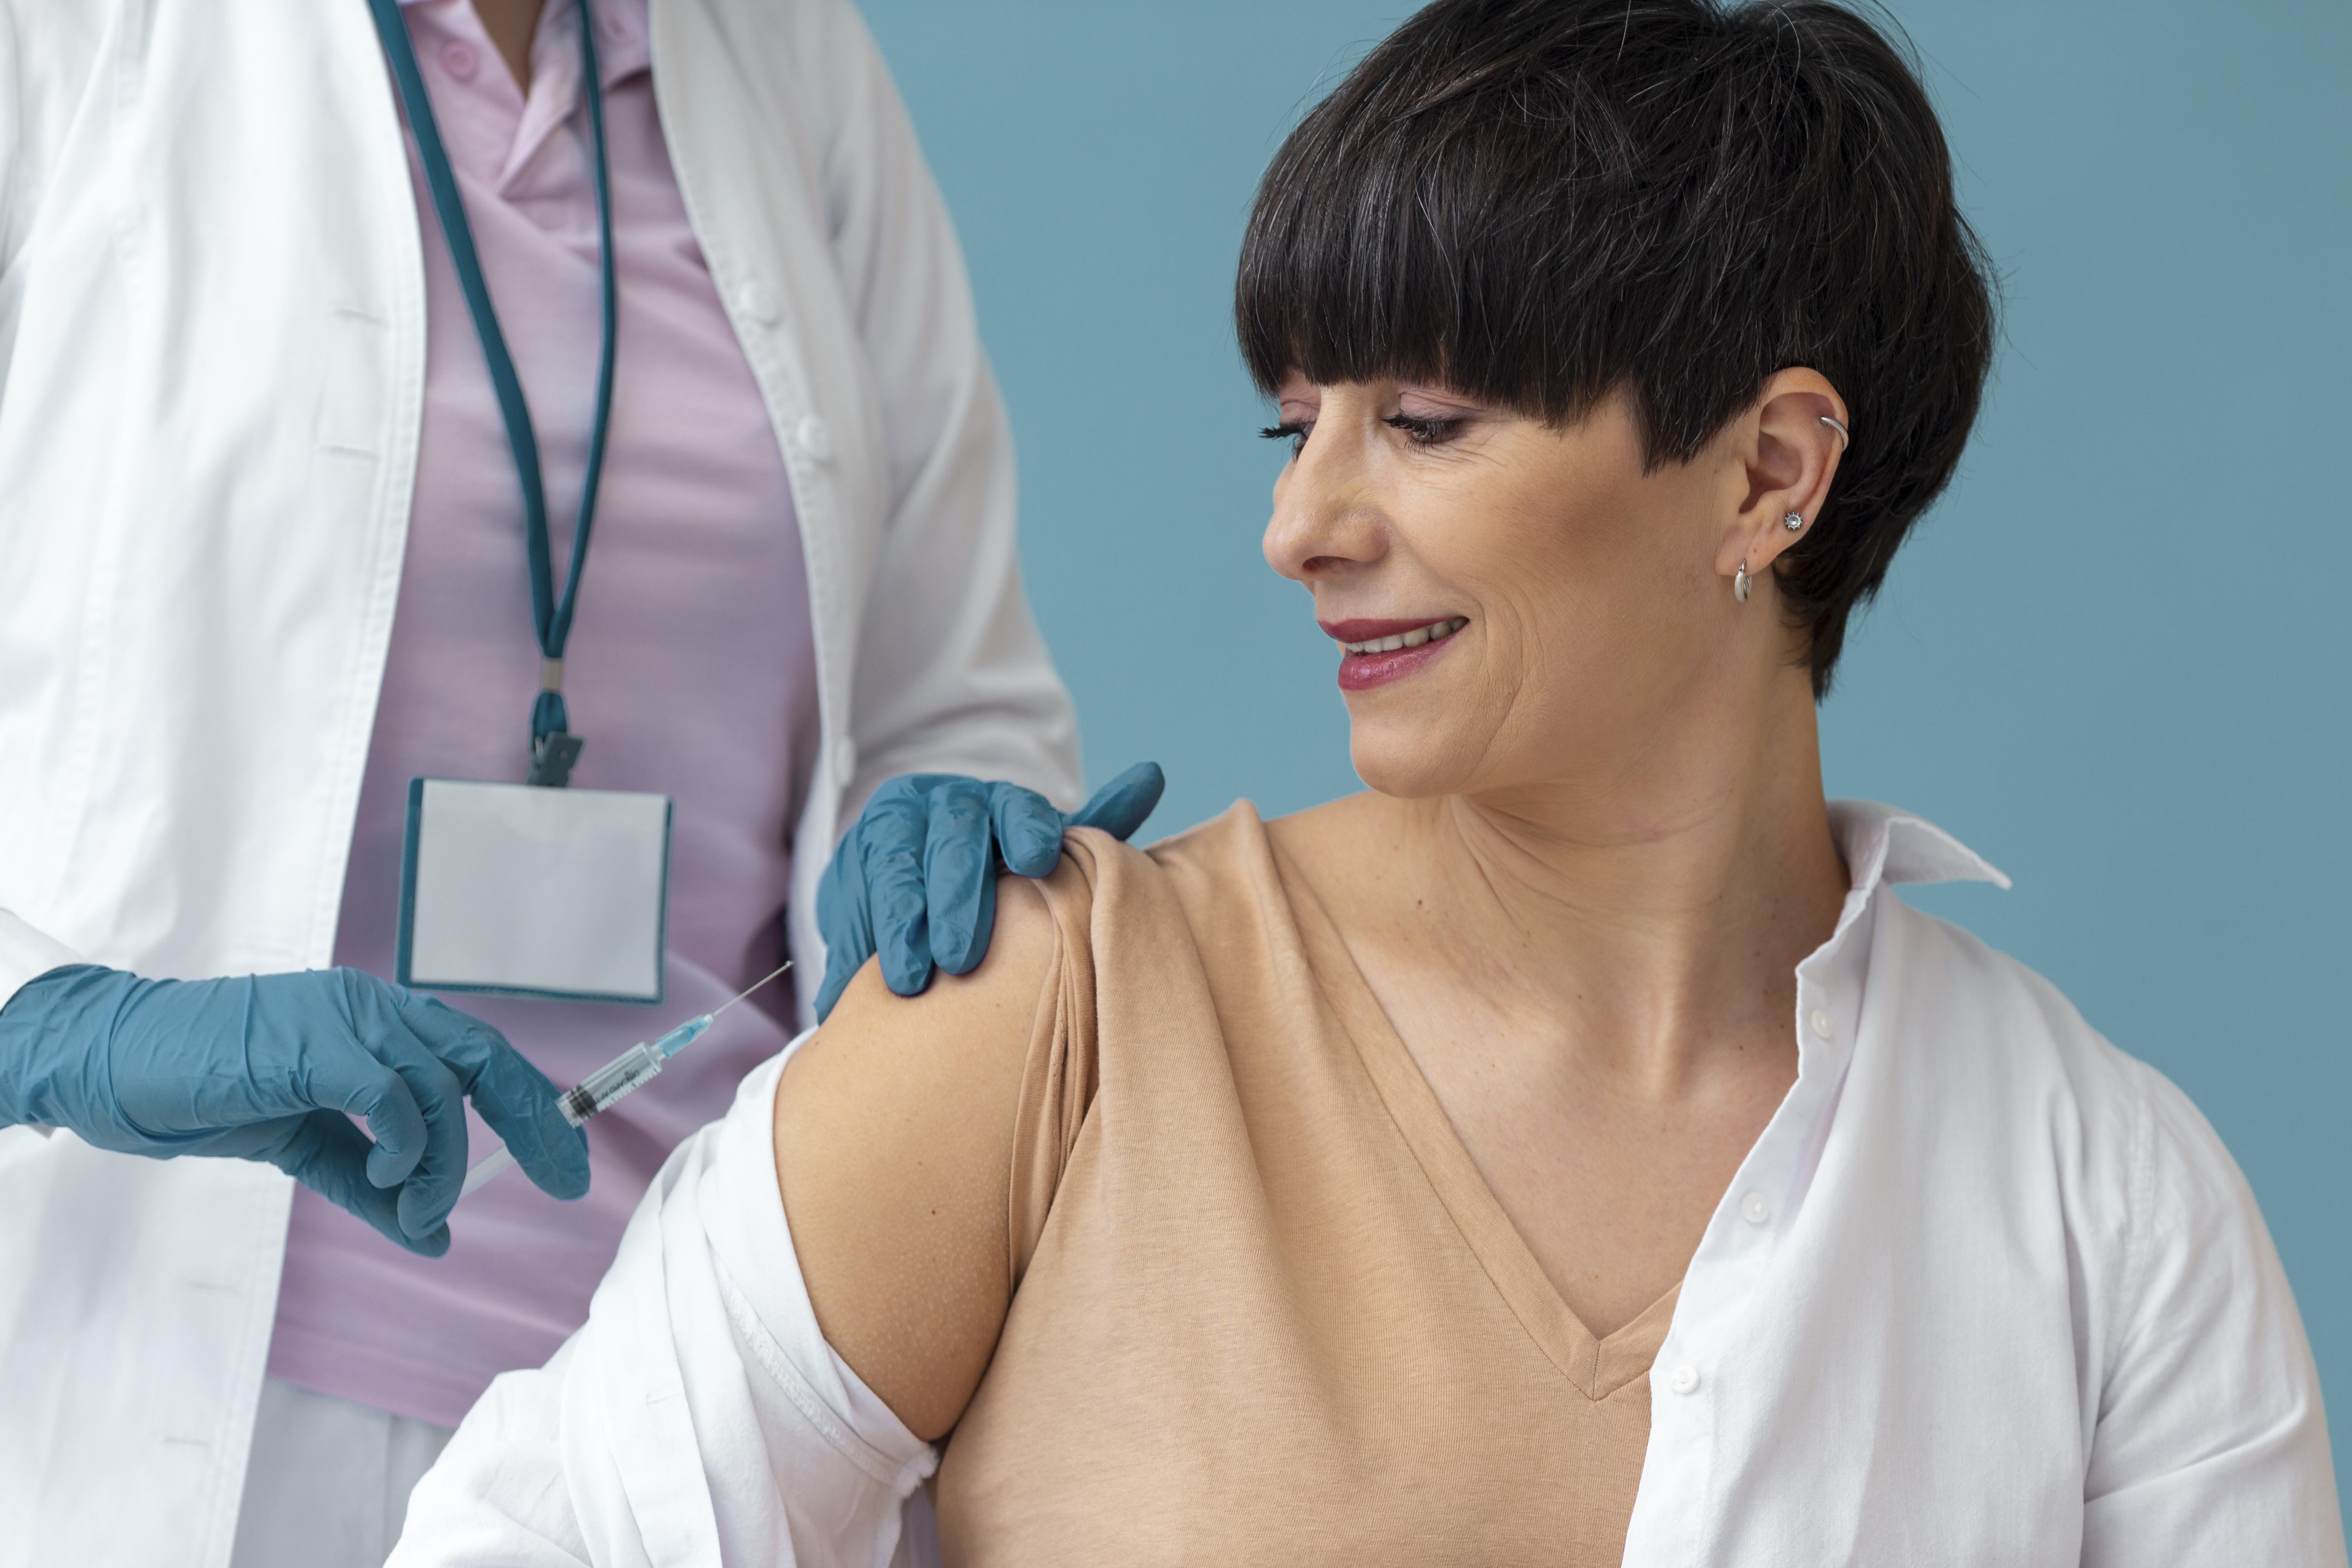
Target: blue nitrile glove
[(265, 1068), (916, 878)]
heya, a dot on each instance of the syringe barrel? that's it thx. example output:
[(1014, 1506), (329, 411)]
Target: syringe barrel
[(614, 1080)]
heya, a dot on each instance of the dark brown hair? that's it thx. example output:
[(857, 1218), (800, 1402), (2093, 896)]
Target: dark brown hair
[(1540, 201)]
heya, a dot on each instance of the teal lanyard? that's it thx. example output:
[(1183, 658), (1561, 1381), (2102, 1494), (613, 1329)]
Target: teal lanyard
[(553, 748)]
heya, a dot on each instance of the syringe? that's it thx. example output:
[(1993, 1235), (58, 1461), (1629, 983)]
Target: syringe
[(617, 1079)]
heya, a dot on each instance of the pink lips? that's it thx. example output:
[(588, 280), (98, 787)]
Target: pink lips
[(1362, 671)]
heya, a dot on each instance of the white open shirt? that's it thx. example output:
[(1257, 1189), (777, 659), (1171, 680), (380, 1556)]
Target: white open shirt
[(1986, 1291)]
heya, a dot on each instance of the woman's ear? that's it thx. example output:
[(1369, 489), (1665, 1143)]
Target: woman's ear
[(1789, 442)]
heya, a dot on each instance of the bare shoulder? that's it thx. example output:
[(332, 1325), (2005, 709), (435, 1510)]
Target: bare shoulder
[(893, 1148)]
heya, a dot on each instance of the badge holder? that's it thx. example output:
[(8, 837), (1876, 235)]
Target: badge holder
[(525, 891)]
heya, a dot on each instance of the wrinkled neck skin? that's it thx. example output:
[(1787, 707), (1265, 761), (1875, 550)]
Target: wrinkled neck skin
[(1650, 909)]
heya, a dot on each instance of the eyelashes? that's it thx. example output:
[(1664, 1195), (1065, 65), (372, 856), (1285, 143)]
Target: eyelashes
[(1425, 432), (1295, 432), (1421, 432)]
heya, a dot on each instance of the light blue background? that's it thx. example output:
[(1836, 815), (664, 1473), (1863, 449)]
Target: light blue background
[(2115, 660)]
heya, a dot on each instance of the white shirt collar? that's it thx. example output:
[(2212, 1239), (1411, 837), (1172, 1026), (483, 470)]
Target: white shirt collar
[(1884, 843), (1884, 846)]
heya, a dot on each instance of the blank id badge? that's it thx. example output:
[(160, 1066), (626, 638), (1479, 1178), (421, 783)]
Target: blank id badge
[(527, 891)]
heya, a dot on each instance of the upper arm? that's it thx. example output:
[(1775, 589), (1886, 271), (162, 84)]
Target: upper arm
[(2210, 1444), (893, 1148), (951, 674)]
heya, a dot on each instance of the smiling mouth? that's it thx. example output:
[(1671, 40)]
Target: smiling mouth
[(1430, 633)]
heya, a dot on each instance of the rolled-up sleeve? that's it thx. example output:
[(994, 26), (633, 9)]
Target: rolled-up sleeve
[(698, 1416)]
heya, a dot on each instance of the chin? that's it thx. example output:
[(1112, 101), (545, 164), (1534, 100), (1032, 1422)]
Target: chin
[(1408, 765)]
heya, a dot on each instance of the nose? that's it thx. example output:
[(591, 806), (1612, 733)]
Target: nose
[(1327, 521)]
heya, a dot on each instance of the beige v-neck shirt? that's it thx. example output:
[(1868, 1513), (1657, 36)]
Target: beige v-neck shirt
[(1266, 1308)]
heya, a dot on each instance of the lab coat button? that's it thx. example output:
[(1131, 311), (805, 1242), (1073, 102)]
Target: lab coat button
[(814, 437), (1821, 1025), (1684, 1380), (1754, 1209), (757, 301)]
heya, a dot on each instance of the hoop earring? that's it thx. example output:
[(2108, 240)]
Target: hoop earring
[(1844, 439), (1739, 583)]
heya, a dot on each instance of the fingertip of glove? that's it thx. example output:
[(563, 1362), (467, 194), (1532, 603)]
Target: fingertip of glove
[(559, 1169), (562, 1181), (1032, 851), (433, 1243), (571, 1176), (906, 980), (389, 1166), (1128, 800)]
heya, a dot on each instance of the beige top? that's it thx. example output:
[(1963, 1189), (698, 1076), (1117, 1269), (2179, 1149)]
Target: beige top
[(1266, 1308)]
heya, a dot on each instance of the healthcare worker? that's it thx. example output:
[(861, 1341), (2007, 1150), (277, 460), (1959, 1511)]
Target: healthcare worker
[(487, 487)]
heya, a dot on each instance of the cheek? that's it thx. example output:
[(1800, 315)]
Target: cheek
[(1564, 586), (1587, 613)]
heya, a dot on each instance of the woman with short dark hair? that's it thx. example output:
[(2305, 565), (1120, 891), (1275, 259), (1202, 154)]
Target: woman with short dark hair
[(1571, 1151)]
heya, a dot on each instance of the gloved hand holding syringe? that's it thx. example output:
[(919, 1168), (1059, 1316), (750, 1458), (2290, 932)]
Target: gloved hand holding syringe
[(617, 1079)]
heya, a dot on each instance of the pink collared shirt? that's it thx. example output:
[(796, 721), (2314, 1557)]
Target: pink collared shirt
[(690, 673)]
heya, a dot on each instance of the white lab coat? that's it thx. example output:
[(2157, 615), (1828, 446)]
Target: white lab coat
[(212, 342)]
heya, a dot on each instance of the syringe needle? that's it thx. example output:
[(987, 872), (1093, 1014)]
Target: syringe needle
[(619, 1078), (748, 989)]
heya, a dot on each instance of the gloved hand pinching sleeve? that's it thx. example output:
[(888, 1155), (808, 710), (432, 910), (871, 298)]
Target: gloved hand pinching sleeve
[(273, 1066), (915, 878)]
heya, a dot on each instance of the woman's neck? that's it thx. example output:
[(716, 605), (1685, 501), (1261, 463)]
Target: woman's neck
[(1650, 915)]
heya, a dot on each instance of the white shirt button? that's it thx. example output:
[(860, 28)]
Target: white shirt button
[(1684, 1379), (1754, 1209), (759, 302), (1823, 1027), (459, 60), (814, 437)]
